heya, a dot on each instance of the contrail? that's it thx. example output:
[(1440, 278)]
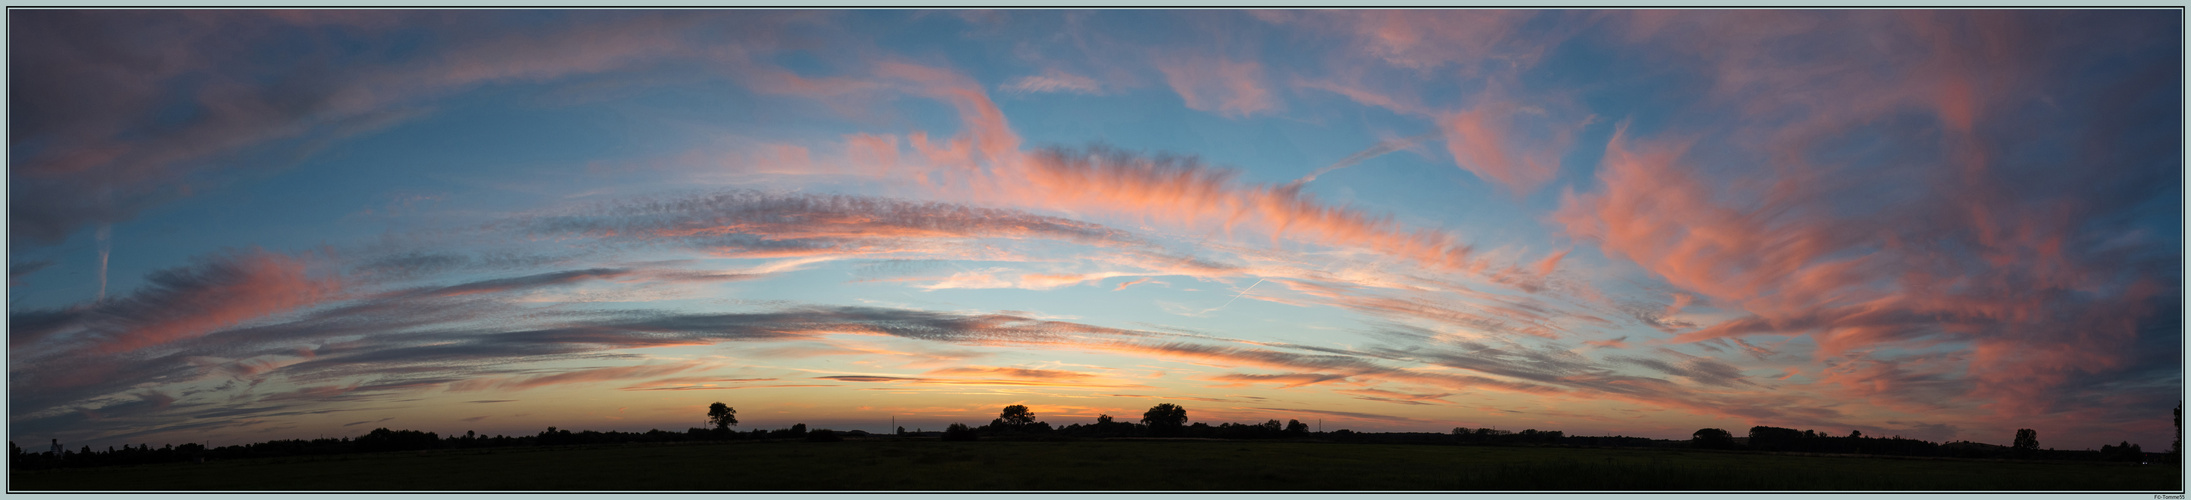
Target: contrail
[(106, 247), (1243, 292), (1374, 151)]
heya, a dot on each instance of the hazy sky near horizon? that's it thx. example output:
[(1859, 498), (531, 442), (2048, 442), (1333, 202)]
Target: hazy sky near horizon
[(234, 226)]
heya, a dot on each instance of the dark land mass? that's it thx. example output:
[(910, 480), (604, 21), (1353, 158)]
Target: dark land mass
[(912, 464)]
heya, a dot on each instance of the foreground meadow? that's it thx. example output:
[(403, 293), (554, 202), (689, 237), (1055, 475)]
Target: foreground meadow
[(908, 465)]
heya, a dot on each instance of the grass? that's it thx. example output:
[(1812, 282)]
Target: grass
[(1096, 465)]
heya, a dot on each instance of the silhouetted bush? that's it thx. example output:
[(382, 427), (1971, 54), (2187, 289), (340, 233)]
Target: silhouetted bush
[(797, 431), (383, 439), (1775, 438), (1712, 439), (2124, 452), (959, 432), (1265, 430), (1104, 426), (823, 436)]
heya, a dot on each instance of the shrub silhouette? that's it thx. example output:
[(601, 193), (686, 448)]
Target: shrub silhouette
[(823, 436), (959, 432)]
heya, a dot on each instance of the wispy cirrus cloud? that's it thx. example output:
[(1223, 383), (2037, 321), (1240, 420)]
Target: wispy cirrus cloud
[(1053, 81), (100, 157)]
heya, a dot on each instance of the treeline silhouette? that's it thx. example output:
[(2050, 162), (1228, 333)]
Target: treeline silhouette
[(386, 440), (2025, 446), (1017, 422)]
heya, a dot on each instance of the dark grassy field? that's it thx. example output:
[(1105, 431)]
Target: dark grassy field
[(1096, 465)]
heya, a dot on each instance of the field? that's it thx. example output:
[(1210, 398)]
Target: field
[(1096, 465)]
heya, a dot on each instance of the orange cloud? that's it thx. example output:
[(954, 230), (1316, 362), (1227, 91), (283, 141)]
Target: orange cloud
[(571, 377), (1284, 380)]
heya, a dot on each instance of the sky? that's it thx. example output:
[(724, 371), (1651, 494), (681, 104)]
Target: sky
[(229, 226)]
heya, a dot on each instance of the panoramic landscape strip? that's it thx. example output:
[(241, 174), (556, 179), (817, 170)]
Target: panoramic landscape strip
[(720, 249)]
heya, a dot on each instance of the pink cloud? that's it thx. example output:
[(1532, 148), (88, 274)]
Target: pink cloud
[(224, 292), (1619, 343), (1216, 84), (1179, 189), (1552, 263), (985, 123), (1423, 40), (1798, 268), (1480, 142), (1396, 397), (1122, 286), (877, 153)]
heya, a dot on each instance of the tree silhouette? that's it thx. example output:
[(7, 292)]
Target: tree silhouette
[(1104, 419), (1165, 419), (722, 416), (1016, 416), (2177, 447), (2027, 441), (1712, 438), (1295, 427)]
